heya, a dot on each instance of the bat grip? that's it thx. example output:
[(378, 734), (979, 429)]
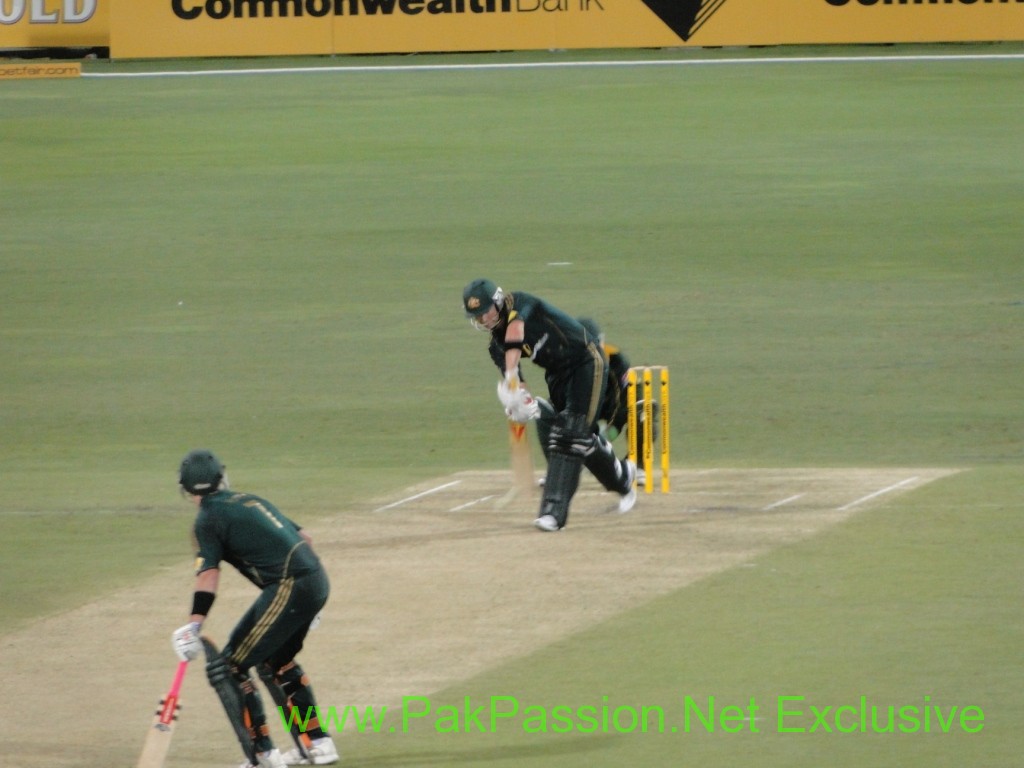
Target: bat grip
[(179, 675)]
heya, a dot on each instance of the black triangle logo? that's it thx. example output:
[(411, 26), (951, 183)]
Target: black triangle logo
[(684, 17)]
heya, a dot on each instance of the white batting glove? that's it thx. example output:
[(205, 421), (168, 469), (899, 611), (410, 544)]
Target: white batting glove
[(506, 394), (523, 408), (186, 643)]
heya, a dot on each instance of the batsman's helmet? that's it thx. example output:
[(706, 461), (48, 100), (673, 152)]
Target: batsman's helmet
[(201, 472), (479, 296)]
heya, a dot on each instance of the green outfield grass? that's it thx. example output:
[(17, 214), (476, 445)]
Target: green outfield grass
[(828, 257)]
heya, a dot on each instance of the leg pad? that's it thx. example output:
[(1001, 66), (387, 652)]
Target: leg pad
[(228, 682)]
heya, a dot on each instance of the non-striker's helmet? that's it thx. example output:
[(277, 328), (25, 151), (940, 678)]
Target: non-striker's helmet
[(201, 472)]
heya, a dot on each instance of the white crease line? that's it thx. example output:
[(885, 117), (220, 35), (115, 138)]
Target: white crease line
[(780, 503), (417, 496), (468, 504), (870, 496)]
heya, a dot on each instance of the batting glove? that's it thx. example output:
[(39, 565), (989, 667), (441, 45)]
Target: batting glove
[(523, 408), (506, 395), (186, 643)]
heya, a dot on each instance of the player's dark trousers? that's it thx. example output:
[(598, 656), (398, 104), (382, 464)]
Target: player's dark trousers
[(579, 388), (602, 462), (576, 393), (275, 626), (272, 632)]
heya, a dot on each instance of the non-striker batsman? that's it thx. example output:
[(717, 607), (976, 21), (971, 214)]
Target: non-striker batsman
[(277, 556)]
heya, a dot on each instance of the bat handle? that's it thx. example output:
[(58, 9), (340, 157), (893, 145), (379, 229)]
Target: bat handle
[(179, 676)]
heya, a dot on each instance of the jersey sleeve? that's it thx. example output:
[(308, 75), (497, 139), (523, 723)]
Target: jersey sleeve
[(523, 306), (497, 352), (209, 551)]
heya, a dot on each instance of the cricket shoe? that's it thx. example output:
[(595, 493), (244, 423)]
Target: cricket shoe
[(628, 499), (546, 523), (271, 759), (320, 752)]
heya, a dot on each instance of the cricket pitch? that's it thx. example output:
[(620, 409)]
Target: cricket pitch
[(430, 585)]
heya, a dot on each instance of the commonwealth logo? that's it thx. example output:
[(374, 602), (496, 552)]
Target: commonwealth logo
[(684, 17)]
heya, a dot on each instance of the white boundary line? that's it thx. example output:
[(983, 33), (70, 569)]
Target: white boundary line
[(870, 496), (565, 64), (400, 502)]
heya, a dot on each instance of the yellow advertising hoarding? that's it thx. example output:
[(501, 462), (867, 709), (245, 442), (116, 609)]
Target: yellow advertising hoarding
[(862, 21), (54, 24), (269, 27), (168, 28), (186, 28)]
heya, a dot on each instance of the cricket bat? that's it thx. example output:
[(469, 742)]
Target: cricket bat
[(522, 464), (522, 460), (158, 740)]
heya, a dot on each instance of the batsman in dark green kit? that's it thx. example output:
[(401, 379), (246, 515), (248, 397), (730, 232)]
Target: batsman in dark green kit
[(276, 555), (575, 367)]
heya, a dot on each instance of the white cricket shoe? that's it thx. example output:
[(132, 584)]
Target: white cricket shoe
[(546, 523), (271, 759), (628, 499), (321, 752)]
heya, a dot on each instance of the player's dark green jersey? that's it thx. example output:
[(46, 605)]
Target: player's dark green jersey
[(553, 339), (251, 534)]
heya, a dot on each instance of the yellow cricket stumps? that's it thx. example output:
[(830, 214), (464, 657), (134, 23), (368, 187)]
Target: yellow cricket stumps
[(643, 433)]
